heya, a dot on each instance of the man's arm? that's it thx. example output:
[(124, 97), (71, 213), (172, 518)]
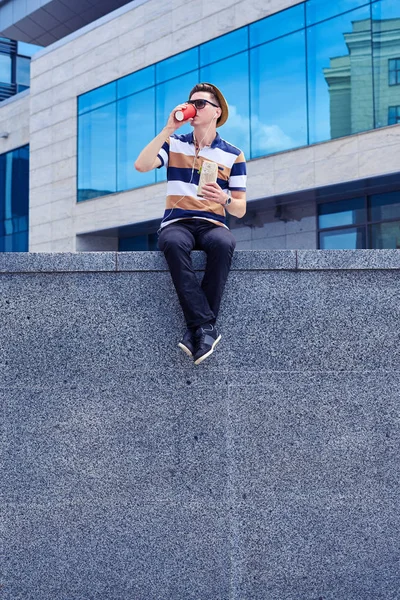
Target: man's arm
[(237, 207), (148, 159)]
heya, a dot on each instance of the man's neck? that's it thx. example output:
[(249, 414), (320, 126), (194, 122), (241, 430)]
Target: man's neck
[(203, 138)]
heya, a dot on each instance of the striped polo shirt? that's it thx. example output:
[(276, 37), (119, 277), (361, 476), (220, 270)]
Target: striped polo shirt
[(183, 166)]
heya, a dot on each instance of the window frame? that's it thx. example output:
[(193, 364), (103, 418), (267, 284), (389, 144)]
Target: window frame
[(366, 193), (396, 70), (397, 117)]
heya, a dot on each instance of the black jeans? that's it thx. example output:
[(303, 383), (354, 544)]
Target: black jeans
[(200, 302)]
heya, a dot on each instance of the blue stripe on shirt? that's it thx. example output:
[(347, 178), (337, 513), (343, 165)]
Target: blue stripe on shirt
[(238, 169), (181, 213)]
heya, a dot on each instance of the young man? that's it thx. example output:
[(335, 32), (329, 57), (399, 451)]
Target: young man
[(192, 222)]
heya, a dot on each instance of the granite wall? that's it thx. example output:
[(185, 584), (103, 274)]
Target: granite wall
[(269, 472)]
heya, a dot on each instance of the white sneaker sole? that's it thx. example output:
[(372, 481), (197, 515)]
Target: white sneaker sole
[(185, 349), (207, 354)]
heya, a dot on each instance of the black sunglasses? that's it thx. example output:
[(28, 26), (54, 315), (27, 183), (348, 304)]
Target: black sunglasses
[(201, 103)]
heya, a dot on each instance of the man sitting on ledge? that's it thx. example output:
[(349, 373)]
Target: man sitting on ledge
[(193, 222)]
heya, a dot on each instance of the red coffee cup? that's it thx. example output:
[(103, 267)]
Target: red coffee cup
[(185, 113)]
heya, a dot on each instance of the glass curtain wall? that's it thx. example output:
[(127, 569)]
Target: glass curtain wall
[(314, 72), (15, 58), (14, 200), (370, 221)]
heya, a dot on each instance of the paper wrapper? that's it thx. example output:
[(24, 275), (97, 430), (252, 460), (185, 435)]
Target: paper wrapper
[(208, 174)]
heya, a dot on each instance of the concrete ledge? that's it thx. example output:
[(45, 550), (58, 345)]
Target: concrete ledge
[(243, 260), (315, 260), (33, 262)]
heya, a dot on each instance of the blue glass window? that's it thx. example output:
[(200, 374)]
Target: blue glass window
[(368, 221), (98, 97), (298, 84), (231, 76), (319, 10), (14, 243), (393, 115), (97, 169), (5, 68), (384, 206), (14, 200), (344, 212), (385, 235), (343, 239), (224, 46), (339, 78), (394, 71), (136, 123), (278, 95), (23, 71), (277, 25), (169, 95), (185, 62), (136, 82)]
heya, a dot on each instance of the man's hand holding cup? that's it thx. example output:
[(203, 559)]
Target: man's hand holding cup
[(183, 113)]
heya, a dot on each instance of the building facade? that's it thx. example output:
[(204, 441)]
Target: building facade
[(314, 95)]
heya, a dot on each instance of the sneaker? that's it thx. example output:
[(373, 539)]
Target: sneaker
[(187, 343), (207, 337)]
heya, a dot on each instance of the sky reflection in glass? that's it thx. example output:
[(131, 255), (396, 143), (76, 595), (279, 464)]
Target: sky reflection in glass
[(98, 97), (224, 46), (319, 10), (135, 124), (168, 95), (236, 91), (177, 65), (277, 25), (136, 82), (97, 153), (344, 212), (344, 239), (278, 95)]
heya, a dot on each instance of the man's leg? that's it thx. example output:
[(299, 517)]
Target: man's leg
[(176, 241), (219, 244)]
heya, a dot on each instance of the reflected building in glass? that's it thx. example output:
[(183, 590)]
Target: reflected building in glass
[(314, 96), (351, 78)]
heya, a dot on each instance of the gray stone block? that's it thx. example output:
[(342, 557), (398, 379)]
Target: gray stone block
[(90, 327), (153, 261), (243, 260), (313, 321), (315, 476), (264, 260), (269, 472), (348, 259), (156, 442), (114, 550), (24, 262)]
